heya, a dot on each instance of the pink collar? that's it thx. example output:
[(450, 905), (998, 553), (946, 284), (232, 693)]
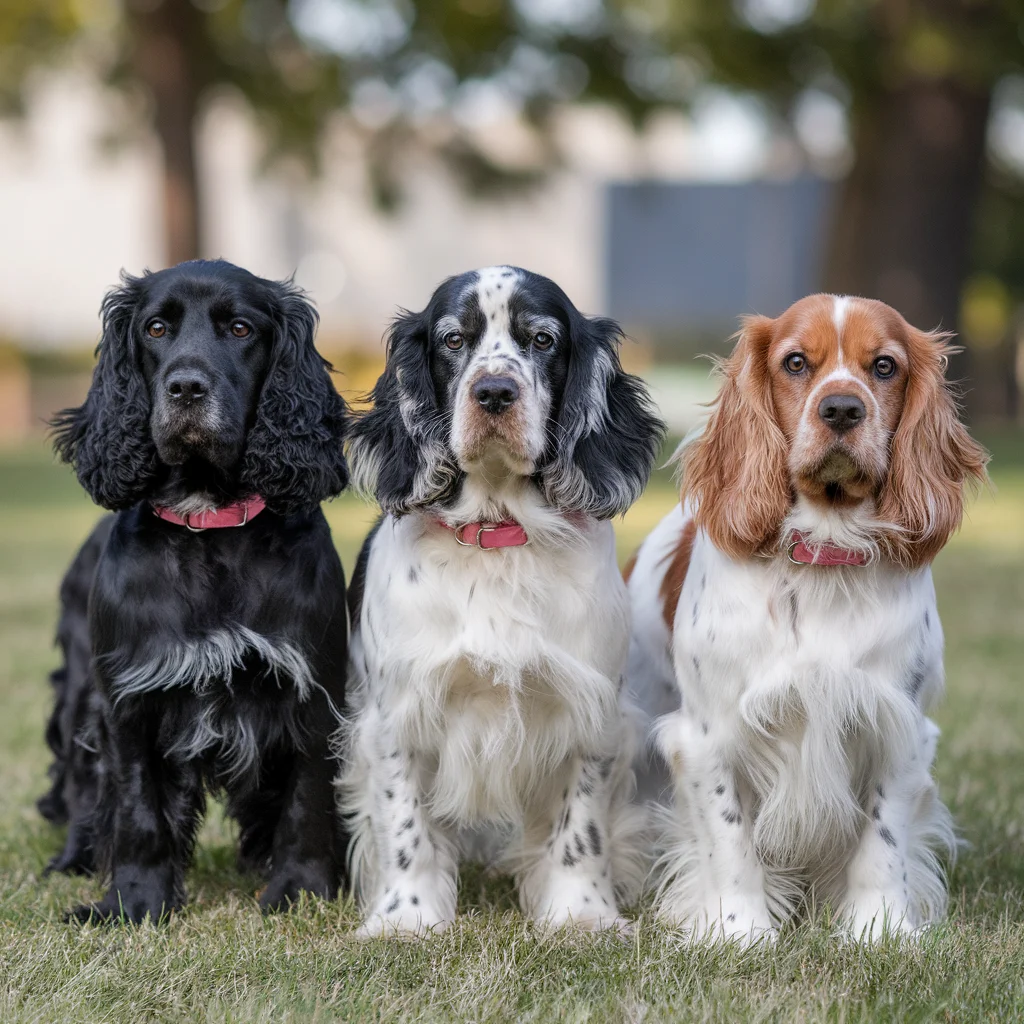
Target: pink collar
[(506, 534), (238, 513), (826, 554)]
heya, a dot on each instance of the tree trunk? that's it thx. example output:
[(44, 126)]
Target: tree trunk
[(167, 45), (902, 230)]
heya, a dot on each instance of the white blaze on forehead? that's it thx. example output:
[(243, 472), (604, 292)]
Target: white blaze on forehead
[(494, 287), (840, 306)]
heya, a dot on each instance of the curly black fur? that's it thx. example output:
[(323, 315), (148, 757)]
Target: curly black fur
[(212, 659)]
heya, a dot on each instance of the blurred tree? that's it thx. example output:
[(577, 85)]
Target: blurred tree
[(390, 66), (916, 79)]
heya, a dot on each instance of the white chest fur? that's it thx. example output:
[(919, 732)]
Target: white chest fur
[(508, 659)]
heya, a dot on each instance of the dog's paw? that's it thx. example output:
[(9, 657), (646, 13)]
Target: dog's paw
[(286, 887), (111, 911), (398, 912), (870, 921), (740, 923), (578, 900), (75, 862)]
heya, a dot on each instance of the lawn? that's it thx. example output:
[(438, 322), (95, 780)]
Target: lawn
[(221, 960)]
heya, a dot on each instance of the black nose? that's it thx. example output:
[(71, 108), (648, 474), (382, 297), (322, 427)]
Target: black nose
[(495, 394), (187, 386), (841, 412)]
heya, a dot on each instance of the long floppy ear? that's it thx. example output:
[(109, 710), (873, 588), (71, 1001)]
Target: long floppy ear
[(932, 457), (607, 433), (399, 448), (294, 457), (107, 438), (735, 472)]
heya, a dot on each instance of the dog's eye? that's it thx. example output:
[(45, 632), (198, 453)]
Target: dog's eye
[(454, 340), (884, 366), (240, 329), (543, 340), (156, 328), (795, 363)]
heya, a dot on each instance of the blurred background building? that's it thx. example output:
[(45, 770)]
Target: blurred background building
[(673, 163)]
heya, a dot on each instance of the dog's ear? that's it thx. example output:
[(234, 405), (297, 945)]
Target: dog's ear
[(399, 448), (294, 456), (606, 432), (932, 457), (107, 438), (735, 471)]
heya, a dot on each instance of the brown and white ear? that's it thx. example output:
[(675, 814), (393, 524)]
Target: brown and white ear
[(932, 457), (735, 472)]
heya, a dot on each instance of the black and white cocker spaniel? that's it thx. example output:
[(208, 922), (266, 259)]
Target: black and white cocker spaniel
[(490, 623), (215, 649)]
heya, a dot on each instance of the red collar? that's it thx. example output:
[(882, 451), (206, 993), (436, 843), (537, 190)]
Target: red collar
[(506, 534), (238, 513), (825, 554)]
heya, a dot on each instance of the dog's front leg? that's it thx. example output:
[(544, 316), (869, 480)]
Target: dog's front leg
[(894, 882), (569, 878), (416, 869), (152, 807), (308, 852), (716, 886)]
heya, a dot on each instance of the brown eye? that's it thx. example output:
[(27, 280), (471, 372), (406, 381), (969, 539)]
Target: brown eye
[(454, 341), (156, 328), (240, 329), (543, 340), (795, 363), (884, 366)]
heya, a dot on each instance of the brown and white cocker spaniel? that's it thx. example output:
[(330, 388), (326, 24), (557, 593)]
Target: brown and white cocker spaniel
[(786, 631)]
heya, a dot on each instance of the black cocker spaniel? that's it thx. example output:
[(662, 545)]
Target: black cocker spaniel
[(215, 650)]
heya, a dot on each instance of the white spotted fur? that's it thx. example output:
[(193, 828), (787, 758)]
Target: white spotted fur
[(800, 756), (486, 693)]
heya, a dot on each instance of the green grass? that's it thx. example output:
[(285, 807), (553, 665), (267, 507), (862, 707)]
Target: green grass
[(221, 961)]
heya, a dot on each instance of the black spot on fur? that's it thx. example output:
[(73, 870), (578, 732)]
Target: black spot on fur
[(414, 900), (927, 620), (415, 842), (879, 791), (696, 665), (731, 917), (595, 838), (732, 817), (568, 860), (915, 680), (413, 574), (403, 861), (876, 813), (389, 794), (580, 848), (406, 825), (719, 790), (393, 905), (705, 728), (886, 836)]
